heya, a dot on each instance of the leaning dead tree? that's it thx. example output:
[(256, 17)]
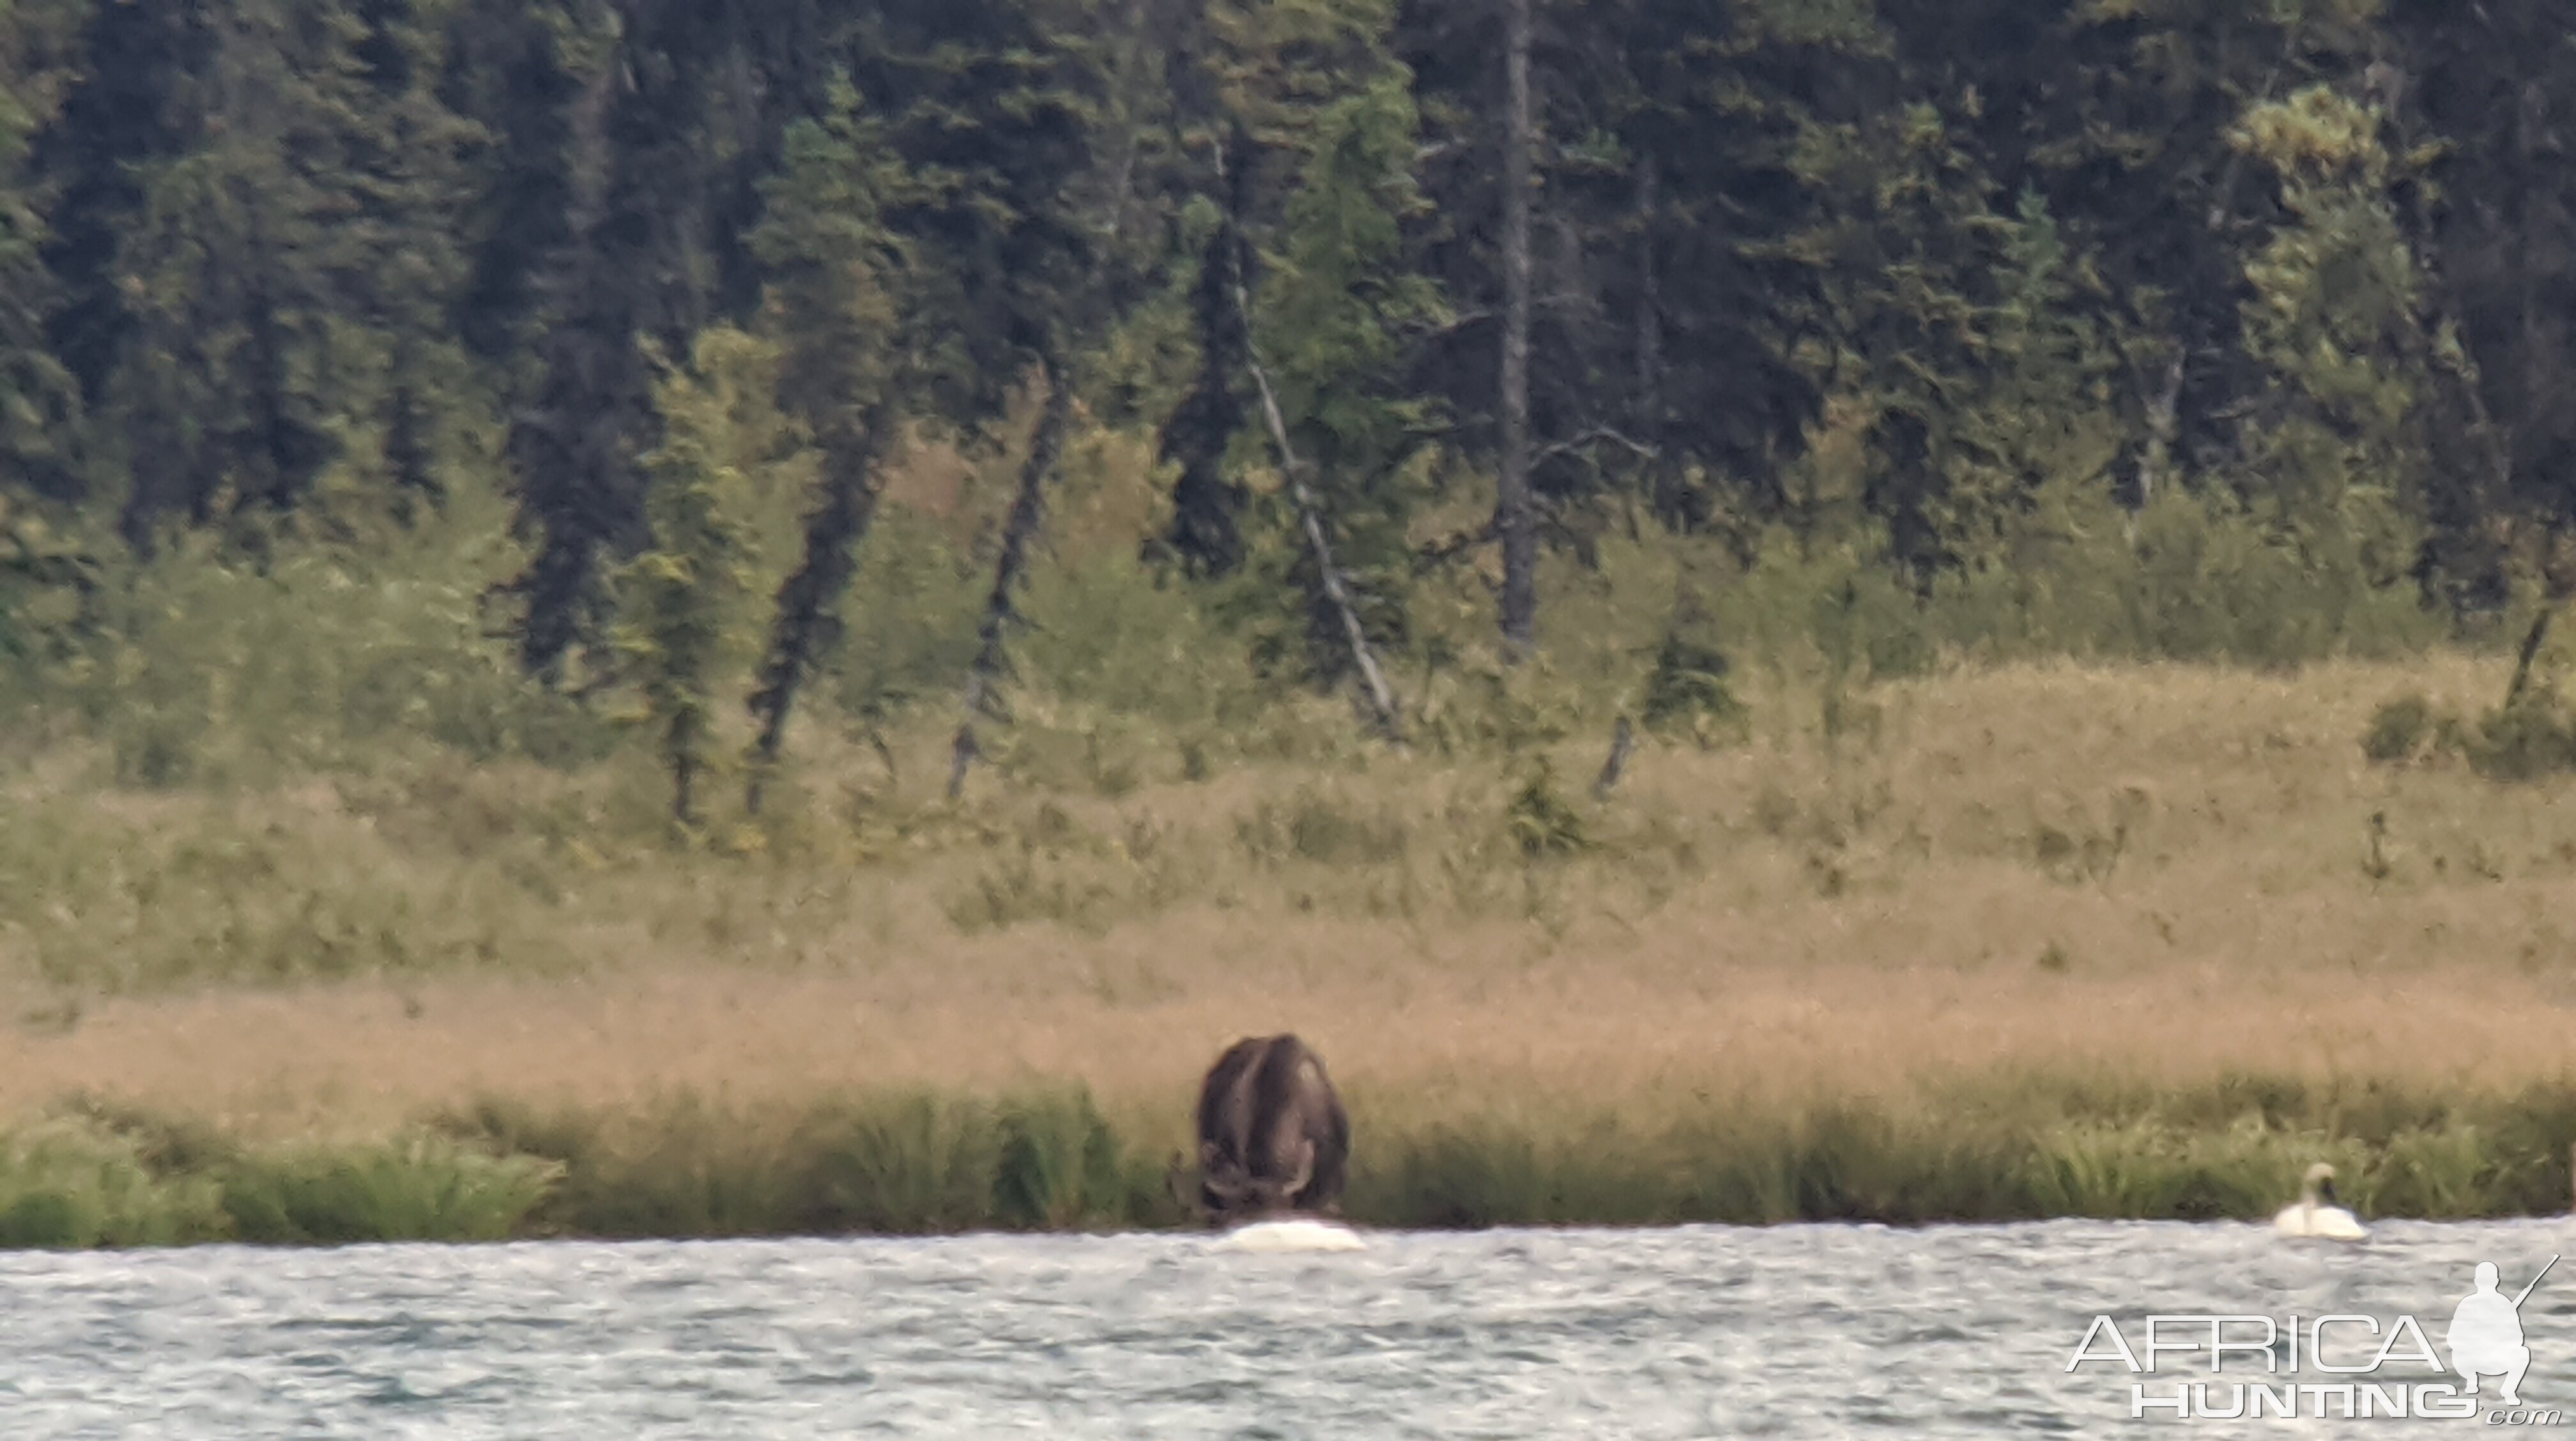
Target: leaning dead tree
[(809, 621), (1028, 511), (1337, 590)]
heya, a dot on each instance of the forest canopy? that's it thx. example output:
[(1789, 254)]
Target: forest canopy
[(592, 340)]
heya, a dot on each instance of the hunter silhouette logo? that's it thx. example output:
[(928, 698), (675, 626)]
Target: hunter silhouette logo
[(2485, 1335), (2363, 1366)]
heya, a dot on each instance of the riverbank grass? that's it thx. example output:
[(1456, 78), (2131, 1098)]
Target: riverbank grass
[(926, 1163)]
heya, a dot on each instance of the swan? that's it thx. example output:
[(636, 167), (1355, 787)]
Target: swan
[(1295, 1233), (2316, 1214)]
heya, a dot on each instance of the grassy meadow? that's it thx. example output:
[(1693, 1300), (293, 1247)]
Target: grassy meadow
[(317, 924)]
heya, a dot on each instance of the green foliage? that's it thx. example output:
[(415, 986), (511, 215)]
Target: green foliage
[(273, 352), (40, 404), (912, 634), (2001, 1148), (107, 910), (681, 602), (1901, 251), (68, 1183), (1688, 685), (2531, 737), (833, 265), (1687, 689), (888, 1163), (832, 301), (2528, 739), (2399, 729), (1117, 644), (414, 1188), (207, 668), (2339, 467), (1332, 320), (2024, 1151), (1543, 823)]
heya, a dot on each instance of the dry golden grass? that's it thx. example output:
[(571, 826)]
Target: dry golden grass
[(2155, 873)]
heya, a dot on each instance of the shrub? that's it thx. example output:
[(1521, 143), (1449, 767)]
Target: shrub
[(2399, 729), (423, 1187)]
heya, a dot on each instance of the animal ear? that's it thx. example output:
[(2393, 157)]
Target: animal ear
[(1305, 1171)]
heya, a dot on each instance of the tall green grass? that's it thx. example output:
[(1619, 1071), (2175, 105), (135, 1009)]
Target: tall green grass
[(912, 1163)]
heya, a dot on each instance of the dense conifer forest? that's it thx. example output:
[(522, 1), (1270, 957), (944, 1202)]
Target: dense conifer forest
[(589, 335)]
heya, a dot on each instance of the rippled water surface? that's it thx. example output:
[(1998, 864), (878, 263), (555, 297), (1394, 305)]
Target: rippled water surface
[(1799, 1331)]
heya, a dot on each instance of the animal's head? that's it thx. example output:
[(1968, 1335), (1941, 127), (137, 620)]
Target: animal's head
[(1233, 1191)]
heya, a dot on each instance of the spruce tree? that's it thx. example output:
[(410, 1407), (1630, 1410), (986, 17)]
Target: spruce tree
[(1333, 320), (680, 601), (229, 387), (835, 271), (39, 401), (646, 165), (2337, 458)]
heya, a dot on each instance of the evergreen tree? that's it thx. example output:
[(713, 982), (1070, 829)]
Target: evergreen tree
[(835, 273), (2337, 460), (997, 112), (233, 378), (2486, 101), (1902, 256), (126, 112), (39, 402), (516, 70), (409, 158), (1334, 318), (646, 164), (1207, 503), (680, 601), (2041, 431)]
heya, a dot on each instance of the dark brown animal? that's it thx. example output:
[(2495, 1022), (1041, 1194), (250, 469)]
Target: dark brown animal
[(1272, 1134)]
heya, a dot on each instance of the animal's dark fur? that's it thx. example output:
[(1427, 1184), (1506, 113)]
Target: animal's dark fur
[(1267, 1113)]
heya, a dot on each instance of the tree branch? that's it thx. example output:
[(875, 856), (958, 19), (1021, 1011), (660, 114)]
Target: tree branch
[(1589, 437)]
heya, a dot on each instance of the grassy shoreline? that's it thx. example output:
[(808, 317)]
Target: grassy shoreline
[(921, 1162), (2021, 941)]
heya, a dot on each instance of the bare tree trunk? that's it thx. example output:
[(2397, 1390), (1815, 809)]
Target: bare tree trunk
[(1623, 739), (1668, 500), (2530, 649), (2536, 378), (1027, 513), (1650, 302), (808, 602), (1514, 519), (1336, 593), (684, 774), (2164, 412)]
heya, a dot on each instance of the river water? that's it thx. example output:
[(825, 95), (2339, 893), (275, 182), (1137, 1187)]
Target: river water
[(1793, 1331)]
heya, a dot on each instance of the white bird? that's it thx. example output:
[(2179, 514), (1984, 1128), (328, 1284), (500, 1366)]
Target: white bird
[(2316, 1214), (1295, 1233)]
